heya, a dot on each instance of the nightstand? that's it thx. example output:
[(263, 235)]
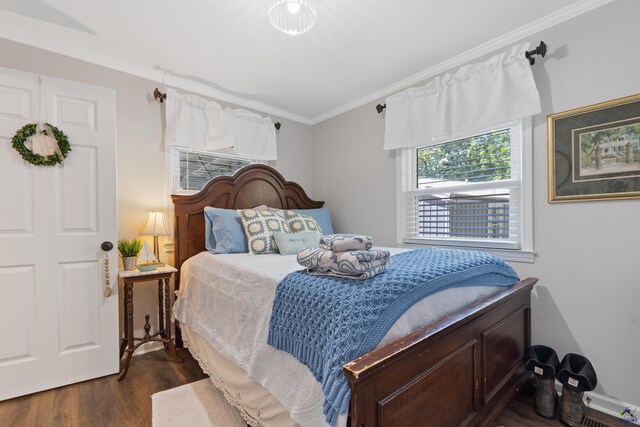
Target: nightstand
[(128, 343)]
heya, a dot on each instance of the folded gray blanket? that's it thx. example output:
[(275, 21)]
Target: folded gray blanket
[(358, 264), (345, 242)]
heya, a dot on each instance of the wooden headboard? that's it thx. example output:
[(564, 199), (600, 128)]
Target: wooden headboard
[(251, 186)]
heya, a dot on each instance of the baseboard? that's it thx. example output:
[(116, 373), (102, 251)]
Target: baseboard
[(605, 404)]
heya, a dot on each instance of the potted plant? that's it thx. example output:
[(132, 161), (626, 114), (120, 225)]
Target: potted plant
[(129, 250)]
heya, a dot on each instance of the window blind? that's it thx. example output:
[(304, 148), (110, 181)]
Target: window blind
[(464, 192), (192, 169)]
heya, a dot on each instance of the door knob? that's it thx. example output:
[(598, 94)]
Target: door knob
[(106, 246)]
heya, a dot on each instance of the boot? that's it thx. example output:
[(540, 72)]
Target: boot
[(543, 362), (577, 376)]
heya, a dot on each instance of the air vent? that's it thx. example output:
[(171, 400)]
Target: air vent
[(591, 422)]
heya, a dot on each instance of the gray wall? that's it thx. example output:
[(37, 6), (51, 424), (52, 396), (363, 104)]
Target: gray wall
[(588, 257), (139, 121), (354, 176)]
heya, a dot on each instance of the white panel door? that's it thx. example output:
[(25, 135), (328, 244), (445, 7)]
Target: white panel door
[(56, 327)]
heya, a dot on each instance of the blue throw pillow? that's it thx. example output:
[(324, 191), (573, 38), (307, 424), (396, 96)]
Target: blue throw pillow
[(223, 231), (322, 217), (292, 243)]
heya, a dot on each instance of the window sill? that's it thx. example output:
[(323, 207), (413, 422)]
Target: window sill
[(514, 255)]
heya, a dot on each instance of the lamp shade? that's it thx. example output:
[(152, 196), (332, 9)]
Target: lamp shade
[(156, 226)]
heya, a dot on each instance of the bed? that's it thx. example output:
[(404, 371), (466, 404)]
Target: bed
[(462, 369)]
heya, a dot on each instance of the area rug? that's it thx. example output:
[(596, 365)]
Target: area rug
[(197, 404)]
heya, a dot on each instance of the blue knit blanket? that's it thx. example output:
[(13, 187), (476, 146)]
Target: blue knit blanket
[(326, 321)]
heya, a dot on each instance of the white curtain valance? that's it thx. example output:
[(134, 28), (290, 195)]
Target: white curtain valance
[(187, 119), (254, 136), (196, 123), (474, 98)]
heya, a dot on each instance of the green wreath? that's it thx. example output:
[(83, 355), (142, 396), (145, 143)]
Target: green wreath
[(26, 131)]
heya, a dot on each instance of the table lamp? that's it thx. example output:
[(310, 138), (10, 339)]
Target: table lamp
[(156, 226)]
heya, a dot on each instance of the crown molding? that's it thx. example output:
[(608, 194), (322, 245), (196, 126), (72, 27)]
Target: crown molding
[(520, 33)]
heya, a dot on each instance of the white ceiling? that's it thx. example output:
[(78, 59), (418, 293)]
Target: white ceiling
[(358, 51)]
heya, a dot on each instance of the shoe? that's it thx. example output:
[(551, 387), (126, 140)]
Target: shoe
[(543, 362), (577, 376)]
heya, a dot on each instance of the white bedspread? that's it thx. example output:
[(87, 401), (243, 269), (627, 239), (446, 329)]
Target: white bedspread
[(227, 299)]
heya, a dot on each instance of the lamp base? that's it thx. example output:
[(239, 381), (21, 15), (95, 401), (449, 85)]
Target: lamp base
[(156, 252)]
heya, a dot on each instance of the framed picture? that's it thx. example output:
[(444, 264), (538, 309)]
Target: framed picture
[(594, 152)]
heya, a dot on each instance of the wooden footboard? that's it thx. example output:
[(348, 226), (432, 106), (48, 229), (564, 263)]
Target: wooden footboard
[(463, 370)]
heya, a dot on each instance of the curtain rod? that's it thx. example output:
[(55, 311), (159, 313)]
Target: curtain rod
[(540, 50), (160, 97)]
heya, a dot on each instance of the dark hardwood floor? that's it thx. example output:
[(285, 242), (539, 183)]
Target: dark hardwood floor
[(105, 402)]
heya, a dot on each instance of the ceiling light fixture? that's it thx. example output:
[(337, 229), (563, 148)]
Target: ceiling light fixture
[(293, 16)]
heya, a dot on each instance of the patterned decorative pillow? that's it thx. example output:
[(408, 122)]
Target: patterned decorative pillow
[(259, 227), (298, 222)]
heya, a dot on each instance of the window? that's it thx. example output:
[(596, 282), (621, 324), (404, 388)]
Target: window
[(192, 169), (468, 191)]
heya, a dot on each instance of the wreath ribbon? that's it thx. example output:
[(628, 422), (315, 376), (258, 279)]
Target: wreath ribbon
[(43, 142)]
